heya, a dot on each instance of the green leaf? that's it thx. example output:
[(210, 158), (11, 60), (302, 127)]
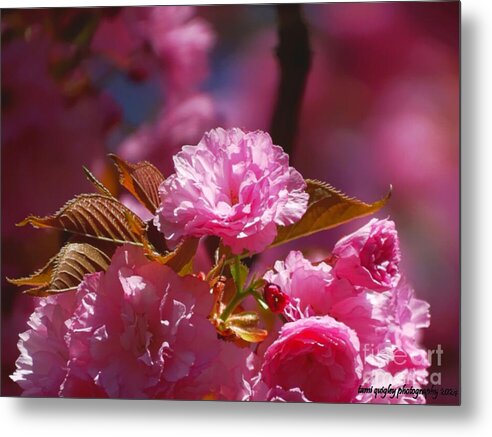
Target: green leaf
[(245, 319), (249, 333), (245, 326), (239, 273), (327, 208)]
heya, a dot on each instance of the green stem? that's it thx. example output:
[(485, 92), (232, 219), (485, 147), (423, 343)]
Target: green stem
[(237, 279), (232, 305), (241, 293), (239, 296)]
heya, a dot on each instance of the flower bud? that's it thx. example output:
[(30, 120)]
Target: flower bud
[(275, 298)]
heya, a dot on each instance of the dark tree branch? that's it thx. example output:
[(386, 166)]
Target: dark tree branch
[(294, 56)]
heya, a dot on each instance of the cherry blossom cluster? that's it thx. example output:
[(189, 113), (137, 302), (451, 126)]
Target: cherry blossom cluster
[(320, 330)]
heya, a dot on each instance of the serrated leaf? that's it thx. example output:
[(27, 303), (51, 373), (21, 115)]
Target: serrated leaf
[(95, 216), (327, 208), (142, 180), (66, 270), (38, 278), (96, 182), (239, 273)]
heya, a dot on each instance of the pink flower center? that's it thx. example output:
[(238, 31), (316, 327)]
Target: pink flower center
[(379, 257), (234, 198)]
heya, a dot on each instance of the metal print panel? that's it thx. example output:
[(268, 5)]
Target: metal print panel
[(235, 203)]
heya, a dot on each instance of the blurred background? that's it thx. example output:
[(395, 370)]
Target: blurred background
[(380, 107)]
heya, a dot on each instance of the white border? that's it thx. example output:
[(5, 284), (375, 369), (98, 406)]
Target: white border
[(52, 417)]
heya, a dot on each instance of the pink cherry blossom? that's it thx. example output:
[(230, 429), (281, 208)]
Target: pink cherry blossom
[(229, 378), (312, 289), (137, 331), (411, 315), (370, 257), (41, 366), (140, 330), (390, 365), (316, 356), (390, 347), (388, 323), (236, 185), (368, 313)]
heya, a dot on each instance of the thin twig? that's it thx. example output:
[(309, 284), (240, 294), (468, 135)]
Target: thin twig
[(294, 56)]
